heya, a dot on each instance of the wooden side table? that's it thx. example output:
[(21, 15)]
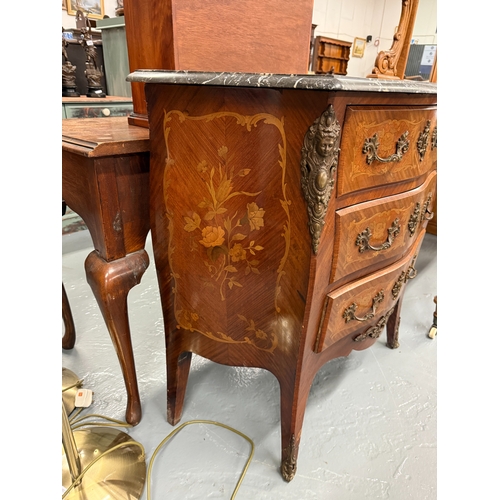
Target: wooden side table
[(105, 180)]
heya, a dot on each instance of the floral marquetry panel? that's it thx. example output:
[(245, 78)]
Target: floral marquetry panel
[(229, 232)]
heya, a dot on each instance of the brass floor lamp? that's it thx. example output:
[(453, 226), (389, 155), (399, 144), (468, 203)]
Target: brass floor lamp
[(99, 463)]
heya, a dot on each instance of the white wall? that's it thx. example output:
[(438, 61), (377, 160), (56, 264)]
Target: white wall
[(349, 19), (425, 29)]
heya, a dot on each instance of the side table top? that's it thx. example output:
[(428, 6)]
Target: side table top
[(83, 99), (96, 137)]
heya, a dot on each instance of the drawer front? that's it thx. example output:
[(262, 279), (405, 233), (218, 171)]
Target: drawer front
[(362, 309), (371, 234), (103, 111), (382, 146)]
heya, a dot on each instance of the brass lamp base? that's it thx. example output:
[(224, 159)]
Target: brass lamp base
[(69, 379), (121, 474)]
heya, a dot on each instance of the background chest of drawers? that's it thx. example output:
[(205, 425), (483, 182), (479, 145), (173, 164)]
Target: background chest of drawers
[(88, 107), (287, 213)]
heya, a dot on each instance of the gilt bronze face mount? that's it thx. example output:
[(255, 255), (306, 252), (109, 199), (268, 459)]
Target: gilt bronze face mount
[(318, 164)]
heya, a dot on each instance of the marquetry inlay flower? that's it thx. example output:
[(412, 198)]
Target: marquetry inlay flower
[(212, 236), (226, 228), (255, 216), (188, 319), (237, 253), (260, 334), (202, 166)]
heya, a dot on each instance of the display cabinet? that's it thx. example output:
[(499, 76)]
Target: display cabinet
[(88, 107), (330, 56)]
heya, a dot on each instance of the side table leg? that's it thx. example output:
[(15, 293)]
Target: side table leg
[(111, 283), (69, 338)]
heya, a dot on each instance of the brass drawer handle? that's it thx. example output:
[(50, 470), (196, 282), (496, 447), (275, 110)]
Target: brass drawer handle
[(423, 140), (363, 238), (426, 213), (371, 145), (350, 312), (434, 139), (409, 274), (414, 219), (375, 331)]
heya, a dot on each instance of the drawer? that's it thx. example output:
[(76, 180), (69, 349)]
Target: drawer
[(382, 145), (98, 111), (373, 234), (361, 309)]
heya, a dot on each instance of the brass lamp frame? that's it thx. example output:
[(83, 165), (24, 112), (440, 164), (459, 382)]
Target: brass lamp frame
[(100, 463)]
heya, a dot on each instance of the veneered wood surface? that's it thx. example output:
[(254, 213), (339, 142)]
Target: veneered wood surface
[(264, 36), (334, 326), (105, 179), (210, 144), (96, 137), (377, 216), (389, 123)]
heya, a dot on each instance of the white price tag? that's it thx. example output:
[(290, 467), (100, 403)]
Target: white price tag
[(83, 398)]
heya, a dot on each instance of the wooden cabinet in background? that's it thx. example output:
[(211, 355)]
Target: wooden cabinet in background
[(330, 54), (259, 36), (114, 48), (88, 107)]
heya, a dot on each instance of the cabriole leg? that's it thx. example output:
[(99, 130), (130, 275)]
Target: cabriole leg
[(111, 283)]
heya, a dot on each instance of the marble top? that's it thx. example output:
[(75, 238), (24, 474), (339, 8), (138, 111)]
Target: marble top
[(269, 80)]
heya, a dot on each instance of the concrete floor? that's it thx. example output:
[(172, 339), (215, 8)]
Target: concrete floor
[(370, 427)]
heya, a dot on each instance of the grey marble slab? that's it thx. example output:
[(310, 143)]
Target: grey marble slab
[(289, 81)]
